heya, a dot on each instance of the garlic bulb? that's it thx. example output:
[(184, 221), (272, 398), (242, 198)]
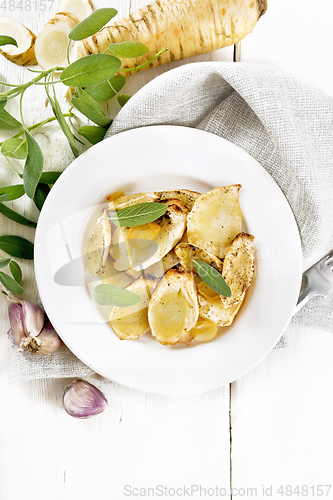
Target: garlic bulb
[(31, 329), (82, 399)]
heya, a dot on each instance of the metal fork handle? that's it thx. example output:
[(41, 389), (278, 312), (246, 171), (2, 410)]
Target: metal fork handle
[(308, 293)]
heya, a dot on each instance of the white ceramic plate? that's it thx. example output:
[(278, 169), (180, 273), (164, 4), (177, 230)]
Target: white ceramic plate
[(155, 158)]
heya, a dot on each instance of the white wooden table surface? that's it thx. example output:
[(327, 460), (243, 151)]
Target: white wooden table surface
[(272, 428)]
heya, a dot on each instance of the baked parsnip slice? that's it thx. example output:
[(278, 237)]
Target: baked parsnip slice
[(99, 246), (238, 270), (173, 309), (205, 330), (186, 252), (129, 323), (215, 220), (184, 195), (149, 247)]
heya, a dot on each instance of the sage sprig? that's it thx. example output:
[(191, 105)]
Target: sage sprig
[(16, 217), (92, 24), (95, 79), (17, 247), (141, 213), (109, 295), (12, 284), (212, 278)]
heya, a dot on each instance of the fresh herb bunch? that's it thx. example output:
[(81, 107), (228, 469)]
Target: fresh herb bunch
[(92, 80)]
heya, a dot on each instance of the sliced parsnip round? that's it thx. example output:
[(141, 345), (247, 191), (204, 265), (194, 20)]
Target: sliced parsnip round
[(158, 269), (52, 40), (184, 195), (173, 309), (129, 323), (204, 330), (186, 252), (79, 8), (238, 267), (215, 311), (24, 53), (238, 270), (132, 199), (99, 246), (215, 220), (141, 253), (110, 276)]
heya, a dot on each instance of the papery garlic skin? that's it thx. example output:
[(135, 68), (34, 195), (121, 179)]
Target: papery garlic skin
[(15, 346), (17, 324), (83, 400), (48, 339), (33, 318)]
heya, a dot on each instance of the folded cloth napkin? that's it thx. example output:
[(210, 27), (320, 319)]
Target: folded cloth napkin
[(284, 123)]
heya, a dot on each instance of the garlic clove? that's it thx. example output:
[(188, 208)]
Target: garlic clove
[(82, 399), (33, 318), (49, 340), (46, 342), (13, 341), (16, 320)]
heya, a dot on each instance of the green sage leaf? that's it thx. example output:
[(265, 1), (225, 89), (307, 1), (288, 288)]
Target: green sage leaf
[(109, 295), (92, 134), (106, 90), (90, 108), (92, 24), (123, 99), (8, 122), (141, 213), (3, 102), (7, 40), (4, 261), (17, 247), (212, 278), (90, 70), (15, 148), (11, 214), (10, 284), (16, 271), (49, 177), (33, 165), (12, 192), (3, 197), (40, 195), (127, 49), (63, 124)]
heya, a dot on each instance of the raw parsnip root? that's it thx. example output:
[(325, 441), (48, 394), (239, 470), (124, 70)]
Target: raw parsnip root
[(79, 8), (24, 53), (186, 27), (51, 43)]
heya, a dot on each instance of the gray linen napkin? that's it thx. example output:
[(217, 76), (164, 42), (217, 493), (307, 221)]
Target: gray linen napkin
[(284, 123)]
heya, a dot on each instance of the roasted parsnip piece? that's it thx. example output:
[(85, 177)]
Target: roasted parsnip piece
[(173, 309)]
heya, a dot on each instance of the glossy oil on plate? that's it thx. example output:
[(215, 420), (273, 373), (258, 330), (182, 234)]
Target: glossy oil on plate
[(158, 158)]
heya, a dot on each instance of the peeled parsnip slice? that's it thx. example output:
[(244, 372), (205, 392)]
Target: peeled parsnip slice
[(204, 330), (51, 43), (129, 323), (173, 308), (79, 8), (24, 53)]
